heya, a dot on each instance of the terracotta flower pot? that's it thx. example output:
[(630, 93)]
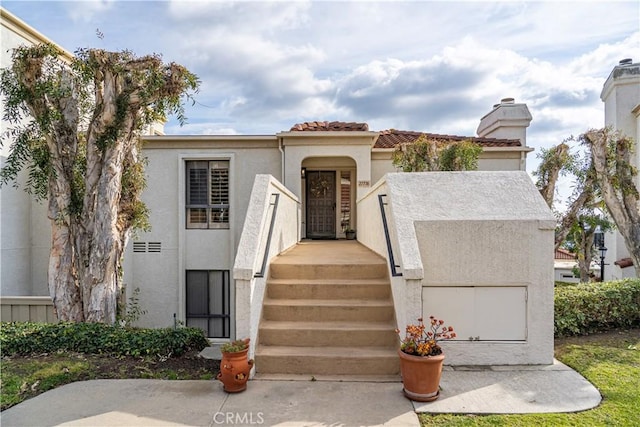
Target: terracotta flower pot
[(234, 371), (421, 376)]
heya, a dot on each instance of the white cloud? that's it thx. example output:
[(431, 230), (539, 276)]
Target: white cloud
[(434, 66), (243, 16), (85, 11)]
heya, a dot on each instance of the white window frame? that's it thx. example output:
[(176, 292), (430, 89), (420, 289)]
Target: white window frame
[(210, 207)]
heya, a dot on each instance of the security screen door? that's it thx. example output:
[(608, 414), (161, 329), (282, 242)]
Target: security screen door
[(321, 204)]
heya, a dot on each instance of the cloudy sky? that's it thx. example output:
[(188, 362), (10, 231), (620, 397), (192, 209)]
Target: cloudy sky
[(435, 66)]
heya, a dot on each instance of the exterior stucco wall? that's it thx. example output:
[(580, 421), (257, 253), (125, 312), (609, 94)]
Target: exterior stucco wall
[(485, 232), (491, 159), (405, 292), (40, 247), (25, 231), (381, 164), (352, 153), (15, 205), (355, 147), (502, 161), (161, 276), (254, 246)]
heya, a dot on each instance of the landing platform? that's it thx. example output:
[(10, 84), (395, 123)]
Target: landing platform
[(329, 252)]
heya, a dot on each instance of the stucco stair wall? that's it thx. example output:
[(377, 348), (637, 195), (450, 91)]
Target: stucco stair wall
[(328, 311)]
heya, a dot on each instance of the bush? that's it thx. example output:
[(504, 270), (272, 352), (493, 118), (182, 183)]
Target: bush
[(97, 338), (593, 307)]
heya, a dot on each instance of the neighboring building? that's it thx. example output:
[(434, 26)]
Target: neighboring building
[(621, 97), (24, 246), (566, 265)]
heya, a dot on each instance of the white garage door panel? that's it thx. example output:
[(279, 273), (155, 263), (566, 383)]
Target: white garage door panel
[(504, 313), (453, 305), (487, 313)]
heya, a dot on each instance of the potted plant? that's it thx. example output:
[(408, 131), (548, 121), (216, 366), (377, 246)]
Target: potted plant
[(350, 233), (421, 358), (234, 366)]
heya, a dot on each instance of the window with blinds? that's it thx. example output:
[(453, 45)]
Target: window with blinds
[(207, 194)]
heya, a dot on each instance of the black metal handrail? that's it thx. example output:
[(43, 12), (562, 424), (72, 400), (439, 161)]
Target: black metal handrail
[(392, 262), (265, 257)]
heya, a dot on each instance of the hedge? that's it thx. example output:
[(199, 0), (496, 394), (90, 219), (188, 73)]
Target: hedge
[(23, 338), (586, 308)]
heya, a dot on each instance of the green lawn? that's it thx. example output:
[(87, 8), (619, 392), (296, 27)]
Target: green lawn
[(609, 361), (23, 377), (21, 381)]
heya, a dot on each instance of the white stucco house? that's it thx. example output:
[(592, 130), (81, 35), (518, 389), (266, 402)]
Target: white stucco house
[(224, 208)]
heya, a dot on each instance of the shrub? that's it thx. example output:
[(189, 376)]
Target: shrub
[(97, 338), (592, 307)]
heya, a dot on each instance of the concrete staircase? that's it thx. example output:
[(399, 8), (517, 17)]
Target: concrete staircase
[(328, 312)]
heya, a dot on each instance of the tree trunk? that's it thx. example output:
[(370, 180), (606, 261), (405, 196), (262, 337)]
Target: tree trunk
[(585, 242), (100, 280), (63, 262), (67, 300), (622, 202)]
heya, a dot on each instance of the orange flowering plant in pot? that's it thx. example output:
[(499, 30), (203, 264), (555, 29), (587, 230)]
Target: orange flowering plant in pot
[(421, 358)]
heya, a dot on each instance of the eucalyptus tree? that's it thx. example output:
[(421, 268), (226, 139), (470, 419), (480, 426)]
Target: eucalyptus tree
[(430, 154), (604, 181), (75, 127)]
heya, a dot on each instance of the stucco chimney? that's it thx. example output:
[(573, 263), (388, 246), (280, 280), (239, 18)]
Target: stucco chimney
[(621, 97), (506, 120)]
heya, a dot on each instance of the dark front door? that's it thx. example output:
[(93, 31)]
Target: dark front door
[(321, 204)]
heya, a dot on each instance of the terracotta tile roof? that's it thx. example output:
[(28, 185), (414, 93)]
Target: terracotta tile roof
[(624, 262), (391, 138), (564, 254), (330, 126)]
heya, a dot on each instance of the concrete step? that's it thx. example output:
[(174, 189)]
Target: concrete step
[(327, 309), (328, 312), (328, 334), (329, 288), (281, 269), (327, 360), (367, 378)]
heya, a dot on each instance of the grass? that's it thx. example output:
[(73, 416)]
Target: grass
[(610, 361), (23, 377)]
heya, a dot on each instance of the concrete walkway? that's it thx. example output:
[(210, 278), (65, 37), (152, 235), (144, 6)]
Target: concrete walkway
[(554, 388)]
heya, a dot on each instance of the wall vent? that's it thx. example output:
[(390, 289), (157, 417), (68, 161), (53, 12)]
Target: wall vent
[(139, 246), (155, 247)]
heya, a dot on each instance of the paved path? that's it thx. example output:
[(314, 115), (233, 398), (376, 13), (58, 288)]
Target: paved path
[(203, 403), (554, 388)]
